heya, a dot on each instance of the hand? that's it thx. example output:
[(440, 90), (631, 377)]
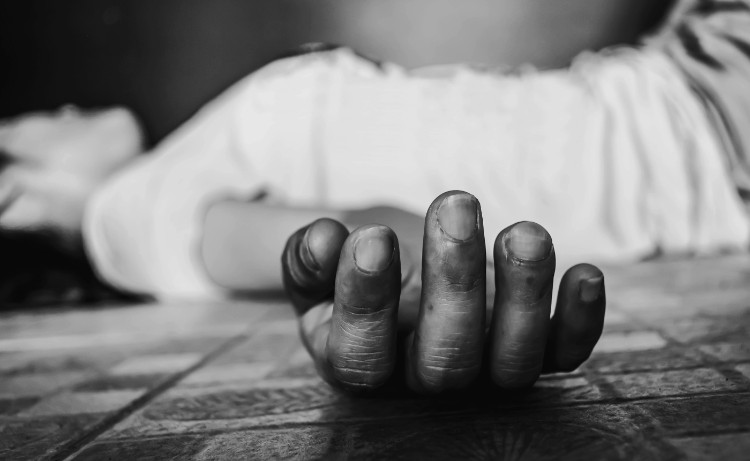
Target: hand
[(347, 288)]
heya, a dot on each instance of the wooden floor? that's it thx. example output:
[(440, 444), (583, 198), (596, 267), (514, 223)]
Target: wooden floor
[(669, 380)]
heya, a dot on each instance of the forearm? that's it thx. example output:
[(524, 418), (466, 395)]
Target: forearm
[(242, 241)]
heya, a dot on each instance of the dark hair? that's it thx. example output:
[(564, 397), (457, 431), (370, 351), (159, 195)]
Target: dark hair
[(41, 267)]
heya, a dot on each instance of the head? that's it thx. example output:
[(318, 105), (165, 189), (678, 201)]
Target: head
[(50, 165), (52, 161)]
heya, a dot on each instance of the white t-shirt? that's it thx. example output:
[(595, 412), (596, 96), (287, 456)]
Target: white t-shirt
[(615, 157)]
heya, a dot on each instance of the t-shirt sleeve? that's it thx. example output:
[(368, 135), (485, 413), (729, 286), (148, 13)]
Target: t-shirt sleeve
[(709, 40)]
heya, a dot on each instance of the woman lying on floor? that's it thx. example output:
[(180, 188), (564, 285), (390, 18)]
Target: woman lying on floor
[(627, 153)]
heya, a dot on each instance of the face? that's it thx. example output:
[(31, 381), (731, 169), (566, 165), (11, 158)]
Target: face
[(52, 162)]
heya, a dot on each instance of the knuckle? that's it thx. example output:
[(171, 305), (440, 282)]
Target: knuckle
[(363, 339), (354, 378), (455, 289), (363, 310), (441, 375), (361, 362)]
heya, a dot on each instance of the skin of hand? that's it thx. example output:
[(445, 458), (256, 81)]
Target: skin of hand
[(50, 164), (375, 318)]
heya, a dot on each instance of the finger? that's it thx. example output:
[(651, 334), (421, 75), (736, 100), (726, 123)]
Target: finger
[(578, 320), (445, 350), (361, 346), (524, 268), (309, 263)]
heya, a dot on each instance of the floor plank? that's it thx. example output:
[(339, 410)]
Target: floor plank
[(669, 379)]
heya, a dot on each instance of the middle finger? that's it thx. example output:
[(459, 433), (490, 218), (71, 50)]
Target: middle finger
[(445, 350)]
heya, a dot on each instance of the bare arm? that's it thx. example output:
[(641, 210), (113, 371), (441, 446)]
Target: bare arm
[(242, 241)]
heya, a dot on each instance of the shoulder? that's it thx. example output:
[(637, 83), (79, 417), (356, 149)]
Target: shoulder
[(314, 59)]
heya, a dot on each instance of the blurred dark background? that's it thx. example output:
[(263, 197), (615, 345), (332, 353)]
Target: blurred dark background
[(165, 58)]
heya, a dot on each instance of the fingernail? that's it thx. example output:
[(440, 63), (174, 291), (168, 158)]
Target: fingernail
[(529, 241), (457, 216), (373, 251), (321, 244), (589, 290), (306, 254)]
